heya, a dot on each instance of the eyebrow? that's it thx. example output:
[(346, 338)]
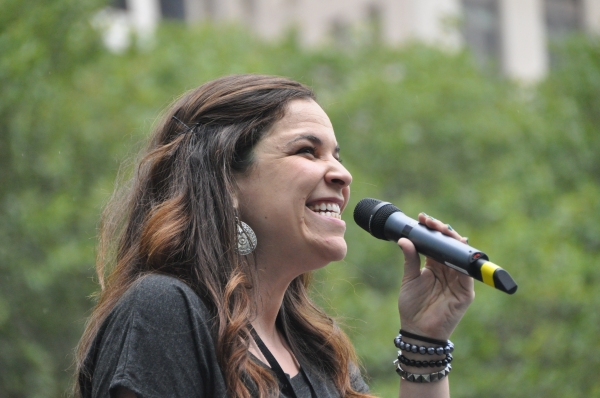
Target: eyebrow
[(314, 139)]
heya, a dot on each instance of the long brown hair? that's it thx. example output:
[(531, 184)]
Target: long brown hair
[(176, 216)]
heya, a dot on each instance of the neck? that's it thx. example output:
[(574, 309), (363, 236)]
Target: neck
[(274, 275), (270, 299)]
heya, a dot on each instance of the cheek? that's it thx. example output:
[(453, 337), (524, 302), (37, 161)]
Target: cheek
[(254, 202), (346, 193)]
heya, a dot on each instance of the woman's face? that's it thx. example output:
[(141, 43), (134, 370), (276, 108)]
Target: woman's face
[(294, 193)]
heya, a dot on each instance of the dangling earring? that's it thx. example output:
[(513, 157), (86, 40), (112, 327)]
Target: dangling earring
[(246, 238)]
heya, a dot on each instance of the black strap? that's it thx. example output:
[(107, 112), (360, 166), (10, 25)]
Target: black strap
[(423, 338), (286, 384)]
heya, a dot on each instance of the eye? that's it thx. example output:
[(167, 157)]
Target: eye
[(307, 150)]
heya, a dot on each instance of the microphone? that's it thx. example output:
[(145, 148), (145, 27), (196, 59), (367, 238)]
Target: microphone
[(385, 221)]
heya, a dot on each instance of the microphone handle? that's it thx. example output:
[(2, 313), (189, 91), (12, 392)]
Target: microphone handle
[(449, 251)]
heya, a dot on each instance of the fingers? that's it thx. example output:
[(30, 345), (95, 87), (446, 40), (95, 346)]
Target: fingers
[(412, 261), (432, 223)]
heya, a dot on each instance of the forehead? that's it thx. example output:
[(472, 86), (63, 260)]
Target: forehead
[(301, 117)]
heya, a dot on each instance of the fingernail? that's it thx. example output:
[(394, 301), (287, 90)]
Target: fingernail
[(425, 214), (450, 227), (467, 239)]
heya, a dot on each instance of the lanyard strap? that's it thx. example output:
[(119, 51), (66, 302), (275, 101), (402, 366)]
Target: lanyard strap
[(286, 385)]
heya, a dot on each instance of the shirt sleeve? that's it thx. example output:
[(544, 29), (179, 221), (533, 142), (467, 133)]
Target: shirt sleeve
[(356, 380), (157, 343)]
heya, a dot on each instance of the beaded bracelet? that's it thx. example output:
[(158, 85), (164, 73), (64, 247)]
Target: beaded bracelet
[(423, 378), (424, 364), (423, 350)]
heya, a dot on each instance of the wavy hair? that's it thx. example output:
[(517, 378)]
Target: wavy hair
[(177, 217)]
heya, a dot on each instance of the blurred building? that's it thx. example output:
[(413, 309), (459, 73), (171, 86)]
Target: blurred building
[(511, 33)]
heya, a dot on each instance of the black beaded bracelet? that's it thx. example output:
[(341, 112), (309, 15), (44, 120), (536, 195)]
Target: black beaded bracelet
[(446, 348), (424, 364)]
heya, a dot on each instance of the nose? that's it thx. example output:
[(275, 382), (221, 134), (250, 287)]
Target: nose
[(338, 175)]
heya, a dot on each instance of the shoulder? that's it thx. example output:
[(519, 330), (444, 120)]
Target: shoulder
[(325, 386), (356, 379), (158, 342), (152, 286), (163, 302)]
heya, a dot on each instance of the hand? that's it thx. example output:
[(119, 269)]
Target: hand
[(433, 299)]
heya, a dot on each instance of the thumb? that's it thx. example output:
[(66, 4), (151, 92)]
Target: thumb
[(412, 261)]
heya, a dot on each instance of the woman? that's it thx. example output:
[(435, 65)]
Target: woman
[(196, 304)]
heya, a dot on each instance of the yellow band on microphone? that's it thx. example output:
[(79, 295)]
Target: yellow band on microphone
[(487, 273)]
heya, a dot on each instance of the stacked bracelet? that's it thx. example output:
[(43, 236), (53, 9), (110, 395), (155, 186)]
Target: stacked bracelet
[(446, 348), (442, 348), (424, 364), (422, 338), (423, 378)]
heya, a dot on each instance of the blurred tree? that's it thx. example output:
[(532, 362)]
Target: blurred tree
[(514, 167), (47, 214)]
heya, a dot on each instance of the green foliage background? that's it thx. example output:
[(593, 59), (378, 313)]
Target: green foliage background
[(517, 169)]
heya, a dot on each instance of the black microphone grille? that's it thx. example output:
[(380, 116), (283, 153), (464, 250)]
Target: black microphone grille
[(380, 218), (371, 215), (363, 212)]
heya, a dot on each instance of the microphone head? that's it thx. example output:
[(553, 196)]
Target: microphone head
[(371, 215), (363, 212)]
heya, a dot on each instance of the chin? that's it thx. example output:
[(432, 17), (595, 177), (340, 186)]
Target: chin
[(335, 252)]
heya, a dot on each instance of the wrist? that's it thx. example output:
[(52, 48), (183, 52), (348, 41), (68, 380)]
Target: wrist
[(435, 362), (422, 359), (418, 362), (435, 333)]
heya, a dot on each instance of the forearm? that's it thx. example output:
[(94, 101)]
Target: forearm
[(432, 301), (439, 389)]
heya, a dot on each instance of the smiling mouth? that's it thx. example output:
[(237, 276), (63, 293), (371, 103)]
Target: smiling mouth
[(326, 209)]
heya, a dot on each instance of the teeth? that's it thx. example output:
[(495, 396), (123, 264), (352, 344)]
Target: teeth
[(327, 209)]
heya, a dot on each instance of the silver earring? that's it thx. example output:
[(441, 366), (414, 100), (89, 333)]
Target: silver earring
[(246, 238)]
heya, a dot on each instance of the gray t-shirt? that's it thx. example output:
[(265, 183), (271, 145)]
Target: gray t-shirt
[(157, 342)]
